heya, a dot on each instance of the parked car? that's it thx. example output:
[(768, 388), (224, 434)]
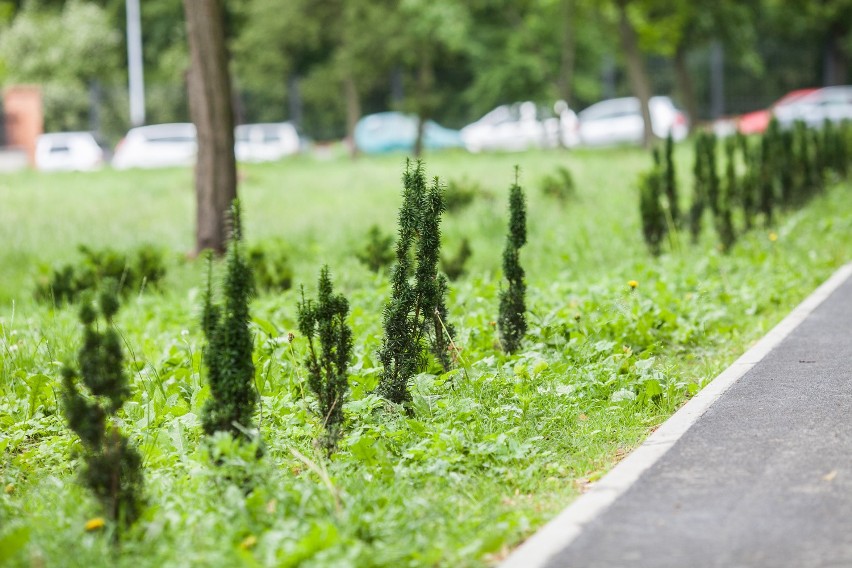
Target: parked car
[(814, 108), (157, 146), (619, 121), (758, 121), (265, 142), (68, 151), (521, 126), (390, 131)]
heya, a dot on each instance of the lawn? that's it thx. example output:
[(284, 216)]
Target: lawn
[(489, 452)]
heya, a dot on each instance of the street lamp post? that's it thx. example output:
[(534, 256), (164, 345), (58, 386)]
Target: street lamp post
[(134, 63)]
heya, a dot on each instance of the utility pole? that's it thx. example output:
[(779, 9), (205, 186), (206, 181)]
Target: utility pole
[(134, 63)]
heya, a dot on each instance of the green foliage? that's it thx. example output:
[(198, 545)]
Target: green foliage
[(654, 226), (601, 361), (113, 468), (228, 353), (456, 266), (327, 362), (270, 264), (559, 185), (460, 193), (377, 252), (670, 182), (701, 197), (416, 308), (512, 320), (65, 284)]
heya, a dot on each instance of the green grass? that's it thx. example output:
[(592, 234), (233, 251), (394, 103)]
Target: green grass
[(490, 452)]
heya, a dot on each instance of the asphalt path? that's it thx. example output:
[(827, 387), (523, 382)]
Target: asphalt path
[(762, 479)]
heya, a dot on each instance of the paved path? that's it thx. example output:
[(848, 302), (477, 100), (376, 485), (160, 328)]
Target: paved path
[(762, 478)]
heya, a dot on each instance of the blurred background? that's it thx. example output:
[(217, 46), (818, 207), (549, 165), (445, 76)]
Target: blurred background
[(323, 64)]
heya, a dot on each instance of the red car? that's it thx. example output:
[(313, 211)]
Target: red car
[(756, 122)]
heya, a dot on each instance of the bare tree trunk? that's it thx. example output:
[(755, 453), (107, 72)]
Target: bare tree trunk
[(210, 105), (834, 60), (636, 72), (353, 110), (684, 85), (569, 52)]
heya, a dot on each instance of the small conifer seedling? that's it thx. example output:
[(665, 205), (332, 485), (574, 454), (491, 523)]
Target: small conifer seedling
[(512, 321), (416, 308), (651, 209), (323, 323), (670, 182), (228, 353), (113, 468), (456, 266), (377, 252)]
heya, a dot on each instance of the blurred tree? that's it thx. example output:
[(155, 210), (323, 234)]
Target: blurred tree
[(66, 51), (209, 90)]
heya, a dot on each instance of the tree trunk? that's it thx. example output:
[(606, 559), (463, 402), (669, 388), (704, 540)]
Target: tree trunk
[(353, 110), (425, 86), (639, 82), (569, 52), (834, 63), (210, 105), (684, 85)]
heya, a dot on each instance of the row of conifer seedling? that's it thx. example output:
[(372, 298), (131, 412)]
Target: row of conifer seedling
[(763, 176), (416, 329)]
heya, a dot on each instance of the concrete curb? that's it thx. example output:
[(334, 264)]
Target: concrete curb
[(561, 531)]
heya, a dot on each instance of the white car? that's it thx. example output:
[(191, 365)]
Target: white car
[(157, 146), (829, 103), (521, 126), (68, 151), (265, 142), (619, 121)]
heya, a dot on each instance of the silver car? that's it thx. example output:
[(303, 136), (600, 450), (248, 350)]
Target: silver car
[(157, 146), (829, 103), (619, 121)]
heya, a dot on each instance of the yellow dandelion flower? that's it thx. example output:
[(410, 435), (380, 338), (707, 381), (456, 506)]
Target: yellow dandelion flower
[(9, 489), (632, 283), (773, 236), (248, 542), (95, 524)]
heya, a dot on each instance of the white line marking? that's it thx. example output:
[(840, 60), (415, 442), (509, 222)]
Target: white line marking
[(567, 526)]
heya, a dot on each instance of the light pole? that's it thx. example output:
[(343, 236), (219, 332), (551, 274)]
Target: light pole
[(134, 63)]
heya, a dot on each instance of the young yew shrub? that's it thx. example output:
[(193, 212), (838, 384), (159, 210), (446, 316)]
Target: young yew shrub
[(654, 226), (512, 320), (670, 182), (416, 308), (228, 353), (699, 198), (377, 252), (727, 193), (112, 467), (456, 266), (323, 324)]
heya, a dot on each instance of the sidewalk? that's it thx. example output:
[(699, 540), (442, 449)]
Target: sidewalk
[(755, 471)]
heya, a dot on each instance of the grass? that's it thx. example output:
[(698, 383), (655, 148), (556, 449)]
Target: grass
[(488, 455)]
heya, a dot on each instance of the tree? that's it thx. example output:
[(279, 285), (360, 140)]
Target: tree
[(65, 51), (636, 72), (209, 89)]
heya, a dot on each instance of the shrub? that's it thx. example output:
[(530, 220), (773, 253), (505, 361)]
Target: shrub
[(670, 182), (461, 193), (378, 250), (65, 284), (228, 353), (416, 308), (456, 266), (512, 321), (327, 362), (651, 209), (700, 196), (113, 468), (559, 185), (271, 267)]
